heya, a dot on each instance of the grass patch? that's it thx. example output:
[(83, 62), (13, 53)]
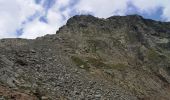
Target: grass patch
[(153, 56), (97, 63), (80, 63), (118, 66)]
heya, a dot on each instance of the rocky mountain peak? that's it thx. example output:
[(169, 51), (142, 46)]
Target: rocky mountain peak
[(120, 58), (135, 17)]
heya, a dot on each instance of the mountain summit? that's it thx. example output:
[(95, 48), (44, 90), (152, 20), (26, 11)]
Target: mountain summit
[(118, 58)]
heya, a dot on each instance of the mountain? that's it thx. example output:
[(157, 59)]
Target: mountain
[(118, 58)]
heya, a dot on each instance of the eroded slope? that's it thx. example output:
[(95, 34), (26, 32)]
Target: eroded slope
[(119, 58)]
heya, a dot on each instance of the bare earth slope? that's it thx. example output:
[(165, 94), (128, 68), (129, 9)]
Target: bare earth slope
[(118, 58)]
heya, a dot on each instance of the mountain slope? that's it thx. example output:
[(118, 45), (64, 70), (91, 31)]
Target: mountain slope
[(118, 58)]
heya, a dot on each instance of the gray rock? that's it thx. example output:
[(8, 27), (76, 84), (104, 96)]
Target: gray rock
[(118, 58)]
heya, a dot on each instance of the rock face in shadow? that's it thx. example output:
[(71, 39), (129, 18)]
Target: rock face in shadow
[(118, 58)]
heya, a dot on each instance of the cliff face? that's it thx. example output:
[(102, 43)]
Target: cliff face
[(118, 58)]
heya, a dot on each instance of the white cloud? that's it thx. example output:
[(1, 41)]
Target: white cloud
[(106, 8), (63, 2), (166, 10), (146, 6), (38, 28), (102, 8), (151, 6), (8, 18), (14, 12), (54, 18), (166, 13), (27, 8)]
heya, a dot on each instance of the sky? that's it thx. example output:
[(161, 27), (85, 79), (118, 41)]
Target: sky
[(34, 18)]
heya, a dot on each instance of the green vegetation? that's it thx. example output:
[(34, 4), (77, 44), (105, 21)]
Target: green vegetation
[(153, 56), (79, 62), (97, 63), (118, 66)]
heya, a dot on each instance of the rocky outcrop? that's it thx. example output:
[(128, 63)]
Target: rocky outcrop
[(118, 58)]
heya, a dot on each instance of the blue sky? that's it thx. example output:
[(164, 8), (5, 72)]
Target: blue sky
[(34, 18)]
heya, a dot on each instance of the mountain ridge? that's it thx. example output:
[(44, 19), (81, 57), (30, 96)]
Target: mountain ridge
[(119, 58)]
